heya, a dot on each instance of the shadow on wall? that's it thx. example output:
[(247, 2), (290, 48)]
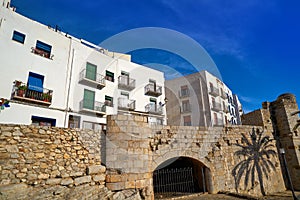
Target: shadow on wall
[(256, 151)]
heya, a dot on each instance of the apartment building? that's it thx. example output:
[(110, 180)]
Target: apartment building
[(54, 79), (201, 99)]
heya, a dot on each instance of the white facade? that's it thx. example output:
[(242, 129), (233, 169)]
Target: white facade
[(83, 84), (201, 99)]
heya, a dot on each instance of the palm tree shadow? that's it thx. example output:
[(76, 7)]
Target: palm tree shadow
[(257, 151)]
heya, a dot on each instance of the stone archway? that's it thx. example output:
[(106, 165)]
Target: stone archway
[(180, 176)]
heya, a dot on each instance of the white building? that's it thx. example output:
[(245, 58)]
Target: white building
[(84, 82), (201, 99)]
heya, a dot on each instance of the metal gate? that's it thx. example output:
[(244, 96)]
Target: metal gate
[(174, 181)]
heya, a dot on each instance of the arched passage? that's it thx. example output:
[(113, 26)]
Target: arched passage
[(180, 176)]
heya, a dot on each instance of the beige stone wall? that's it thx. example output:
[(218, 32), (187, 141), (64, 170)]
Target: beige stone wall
[(137, 149), (49, 162)]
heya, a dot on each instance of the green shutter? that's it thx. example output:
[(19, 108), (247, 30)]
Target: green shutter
[(89, 99), (91, 71)]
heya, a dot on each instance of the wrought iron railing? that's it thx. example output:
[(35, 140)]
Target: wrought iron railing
[(153, 90), (153, 108), (31, 94), (214, 91), (216, 106), (92, 106), (125, 82), (96, 78), (124, 103)]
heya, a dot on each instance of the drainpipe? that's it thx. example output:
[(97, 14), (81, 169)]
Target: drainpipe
[(70, 59)]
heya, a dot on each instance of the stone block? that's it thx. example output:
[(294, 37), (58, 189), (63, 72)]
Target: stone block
[(116, 186), (66, 181), (76, 174), (96, 169), (43, 176), (12, 148), (81, 180), (53, 181), (99, 178)]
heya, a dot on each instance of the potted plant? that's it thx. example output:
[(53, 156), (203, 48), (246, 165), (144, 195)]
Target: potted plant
[(21, 90), (46, 97)]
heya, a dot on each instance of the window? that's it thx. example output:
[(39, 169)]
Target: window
[(91, 71), (74, 121), (88, 99), (184, 91), (187, 120), (43, 49), (35, 82), (19, 37), (186, 106), (108, 101), (42, 121), (109, 76), (125, 95)]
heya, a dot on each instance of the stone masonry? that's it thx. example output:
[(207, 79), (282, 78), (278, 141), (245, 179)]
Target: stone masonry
[(57, 163)]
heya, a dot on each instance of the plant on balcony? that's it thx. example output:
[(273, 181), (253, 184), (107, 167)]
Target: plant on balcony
[(46, 97), (21, 90)]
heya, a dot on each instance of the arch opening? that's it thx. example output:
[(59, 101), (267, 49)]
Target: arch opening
[(180, 176)]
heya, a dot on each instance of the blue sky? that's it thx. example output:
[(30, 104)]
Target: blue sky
[(255, 44)]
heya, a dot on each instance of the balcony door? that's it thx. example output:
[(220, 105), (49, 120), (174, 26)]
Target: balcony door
[(88, 99), (91, 71), (153, 104), (35, 82)]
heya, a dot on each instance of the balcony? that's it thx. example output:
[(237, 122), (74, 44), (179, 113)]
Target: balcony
[(126, 104), (214, 91), (42, 53), (126, 83), (40, 96), (92, 80), (153, 90), (216, 106), (223, 95), (93, 107), (186, 108), (153, 109), (218, 122)]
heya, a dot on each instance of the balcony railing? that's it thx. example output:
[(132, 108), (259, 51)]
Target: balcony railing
[(223, 95), (34, 95), (153, 90), (154, 109), (126, 104), (92, 107), (41, 53), (214, 91), (126, 83), (216, 106), (92, 80), (186, 108)]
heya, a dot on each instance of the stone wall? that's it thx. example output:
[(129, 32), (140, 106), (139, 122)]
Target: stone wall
[(43, 162), (137, 149)]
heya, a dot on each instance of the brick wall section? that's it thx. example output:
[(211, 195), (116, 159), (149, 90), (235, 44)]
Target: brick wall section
[(37, 158)]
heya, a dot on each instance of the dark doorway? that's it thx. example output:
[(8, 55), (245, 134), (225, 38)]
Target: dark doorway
[(180, 176)]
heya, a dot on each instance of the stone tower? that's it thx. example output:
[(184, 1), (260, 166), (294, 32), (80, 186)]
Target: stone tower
[(284, 119)]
